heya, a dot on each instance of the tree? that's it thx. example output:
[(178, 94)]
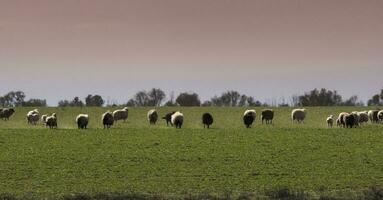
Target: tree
[(156, 96), (76, 102), (352, 101), (374, 101), (321, 97), (63, 103), (188, 99), (94, 100), (141, 99)]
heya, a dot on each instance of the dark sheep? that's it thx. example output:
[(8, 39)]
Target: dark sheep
[(168, 118), (51, 121), (177, 119), (207, 120), (6, 113), (249, 118), (82, 121), (267, 115), (152, 116), (107, 120), (349, 120)]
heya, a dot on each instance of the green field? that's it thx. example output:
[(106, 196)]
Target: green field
[(228, 160)]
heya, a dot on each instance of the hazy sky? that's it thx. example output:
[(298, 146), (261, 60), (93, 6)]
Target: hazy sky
[(58, 49)]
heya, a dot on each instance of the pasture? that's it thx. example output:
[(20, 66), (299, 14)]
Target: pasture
[(226, 160)]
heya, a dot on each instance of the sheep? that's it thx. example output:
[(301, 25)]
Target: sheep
[(298, 114), (341, 119), (338, 122), (168, 118), (33, 116), (267, 115), (380, 116), (356, 118), (121, 114), (51, 121), (373, 116), (6, 113), (177, 119), (152, 116), (249, 117), (207, 120), (349, 120), (82, 121), (363, 117), (330, 121), (107, 119)]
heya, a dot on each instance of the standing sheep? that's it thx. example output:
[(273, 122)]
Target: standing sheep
[(342, 123), (267, 115), (356, 118), (152, 116), (380, 116), (33, 116), (51, 121), (121, 114), (298, 114), (249, 117), (6, 113), (82, 121), (330, 121), (373, 116), (168, 118), (207, 120), (349, 120), (107, 119), (177, 119)]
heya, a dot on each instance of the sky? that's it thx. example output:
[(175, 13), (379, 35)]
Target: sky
[(269, 49)]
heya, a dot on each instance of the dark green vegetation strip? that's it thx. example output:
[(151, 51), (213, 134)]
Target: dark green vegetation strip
[(226, 161)]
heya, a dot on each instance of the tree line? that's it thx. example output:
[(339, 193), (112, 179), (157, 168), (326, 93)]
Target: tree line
[(156, 97)]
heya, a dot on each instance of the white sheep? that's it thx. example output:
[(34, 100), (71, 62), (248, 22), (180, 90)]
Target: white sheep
[(121, 114), (373, 116), (82, 121), (340, 121), (152, 116), (249, 117), (177, 119), (298, 114), (330, 121)]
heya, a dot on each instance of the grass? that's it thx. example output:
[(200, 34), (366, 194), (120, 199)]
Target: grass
[(134, 159)]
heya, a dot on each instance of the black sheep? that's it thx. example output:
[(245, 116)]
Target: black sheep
[(207, 120)]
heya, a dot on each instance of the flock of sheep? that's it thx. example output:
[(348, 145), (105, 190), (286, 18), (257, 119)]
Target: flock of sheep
[(176, 118), (355, 118)]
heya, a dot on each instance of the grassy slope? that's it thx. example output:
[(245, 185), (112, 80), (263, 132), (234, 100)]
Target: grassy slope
[(134, 157)]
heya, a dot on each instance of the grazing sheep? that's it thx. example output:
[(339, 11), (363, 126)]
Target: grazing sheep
[(349, 120), (373, 116), (168, 118), (298, 114), (363, 117), (51, 121), (121, 114), (82, 121), (207, 120), (152, 116), (249, 117), (107, 119), (177, 119), (6, 113), (330, 121), (33, 116), (342, 123), (267, 115), (380, 116)]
